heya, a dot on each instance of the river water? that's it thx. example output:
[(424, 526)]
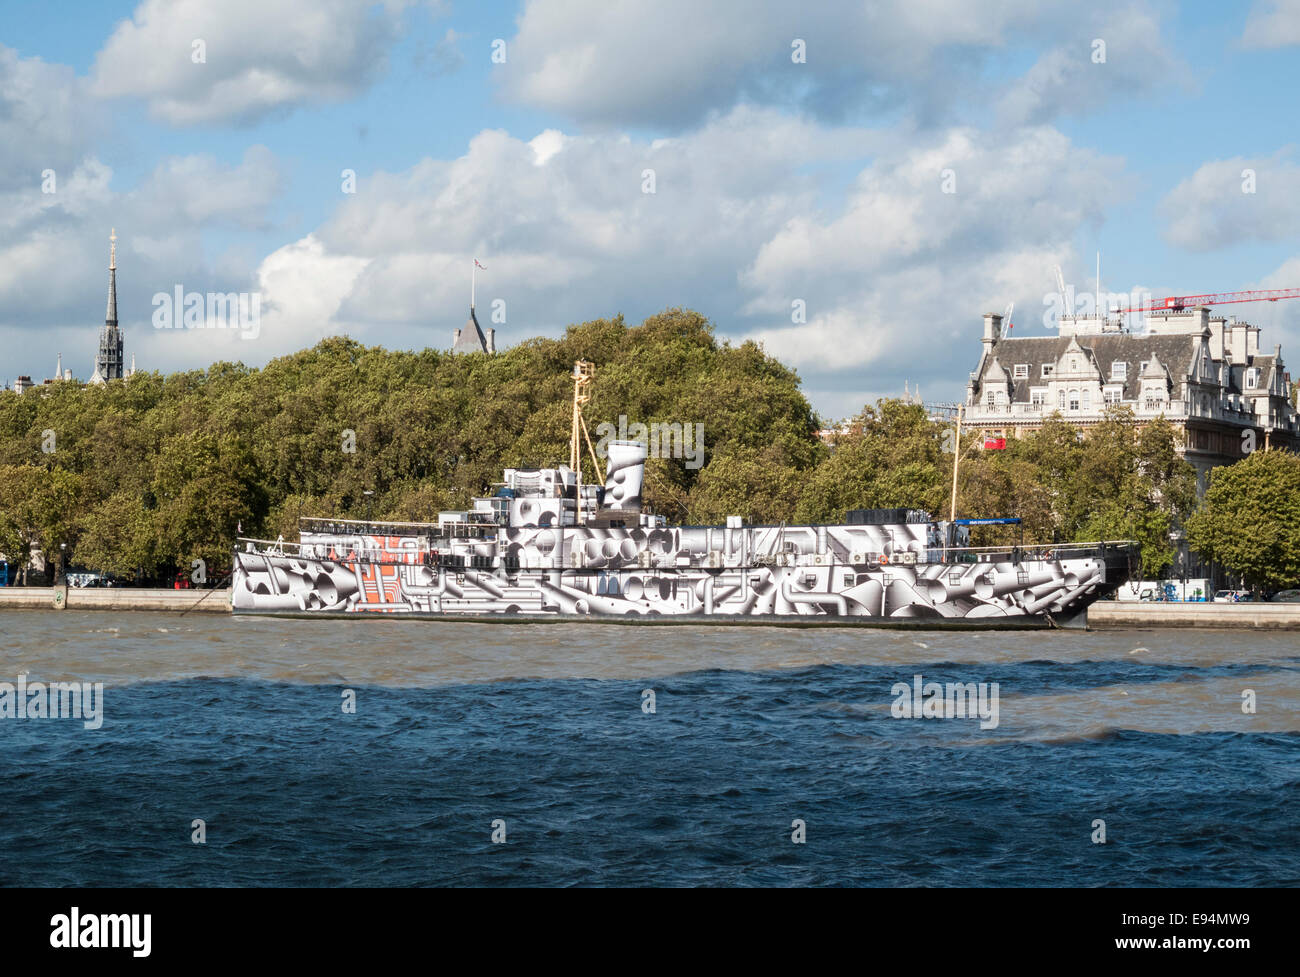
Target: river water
[(548, 737)]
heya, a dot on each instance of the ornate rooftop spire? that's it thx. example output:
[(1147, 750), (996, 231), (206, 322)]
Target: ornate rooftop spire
[(108, 363), (111, 317)]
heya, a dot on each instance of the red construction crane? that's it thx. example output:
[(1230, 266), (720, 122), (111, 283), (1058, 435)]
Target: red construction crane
[(1176, 303)]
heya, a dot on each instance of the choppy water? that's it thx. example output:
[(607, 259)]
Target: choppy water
[(239, 722)]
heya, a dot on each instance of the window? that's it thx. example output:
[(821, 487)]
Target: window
[(1047, 369), (1142, 367), (1021, 371), (1074, 400), (1086, 399), (1060, 399), (1002, 398), (1252, 378), (1037, 395), (1119, 370), (1111, 395)]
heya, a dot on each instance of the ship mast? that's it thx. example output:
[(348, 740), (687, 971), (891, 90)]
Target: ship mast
[(956, 457), (951, 532), (583, 374)]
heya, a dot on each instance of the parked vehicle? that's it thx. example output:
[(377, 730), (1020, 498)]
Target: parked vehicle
[(1194, 590), (90, 578), (1286, 597)]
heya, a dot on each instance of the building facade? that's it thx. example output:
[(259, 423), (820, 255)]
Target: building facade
[(1201, 372)]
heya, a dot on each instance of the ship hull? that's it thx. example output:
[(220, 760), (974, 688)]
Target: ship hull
[(823, 576)]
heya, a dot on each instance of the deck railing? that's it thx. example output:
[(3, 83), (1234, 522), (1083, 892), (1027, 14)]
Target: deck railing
[(1024, 553)]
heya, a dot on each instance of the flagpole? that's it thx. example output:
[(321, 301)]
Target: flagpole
[(956, 456), (472, 272)]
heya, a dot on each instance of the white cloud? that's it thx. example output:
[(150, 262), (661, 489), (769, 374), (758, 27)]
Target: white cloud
[(443, 58), (563, 225), (1116, 55), (197, 190), (546, 144), (302, 287), (905, 269), (1211, 209), (47, 121), (1279, 322), (895, 273), (259, 57), (1272, 24), (674, 64)]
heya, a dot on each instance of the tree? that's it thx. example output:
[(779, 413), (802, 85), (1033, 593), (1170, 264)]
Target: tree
[(1133, 485), (38, 506), (1250, 519), (889, 455), (117, 536), (746, 483)]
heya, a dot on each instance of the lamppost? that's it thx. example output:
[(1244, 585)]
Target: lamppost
[(1180, 560), (370, 499), (61, 573)]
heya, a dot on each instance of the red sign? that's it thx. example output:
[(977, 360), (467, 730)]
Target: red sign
[(995, 444)]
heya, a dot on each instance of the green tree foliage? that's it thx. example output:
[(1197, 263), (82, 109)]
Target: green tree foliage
[(889, 455), (1250, 521), (38, 507), (150, 474)]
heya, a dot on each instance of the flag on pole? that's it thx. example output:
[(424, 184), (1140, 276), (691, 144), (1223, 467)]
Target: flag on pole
[(477, 265)]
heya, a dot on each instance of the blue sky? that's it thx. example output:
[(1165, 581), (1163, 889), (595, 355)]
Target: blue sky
[(776, 182)]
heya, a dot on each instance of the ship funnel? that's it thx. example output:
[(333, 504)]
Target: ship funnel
[(624, 475)]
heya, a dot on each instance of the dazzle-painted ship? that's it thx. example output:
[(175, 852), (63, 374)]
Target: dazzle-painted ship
[(547, 546)]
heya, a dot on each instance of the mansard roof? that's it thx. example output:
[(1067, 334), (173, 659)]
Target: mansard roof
[(1176, 351)]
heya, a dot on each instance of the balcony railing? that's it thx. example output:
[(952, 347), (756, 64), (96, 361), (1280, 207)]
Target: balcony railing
[(1174, 410)]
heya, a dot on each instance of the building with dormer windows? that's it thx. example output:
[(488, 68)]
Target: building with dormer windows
[(1203, 373)]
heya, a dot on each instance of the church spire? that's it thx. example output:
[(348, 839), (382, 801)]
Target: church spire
[(108, 363), (111, 317)]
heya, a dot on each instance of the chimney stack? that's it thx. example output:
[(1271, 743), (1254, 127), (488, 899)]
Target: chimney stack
[(992, 328), (626, 470)]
